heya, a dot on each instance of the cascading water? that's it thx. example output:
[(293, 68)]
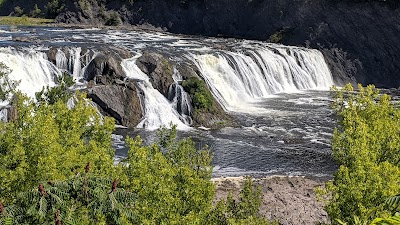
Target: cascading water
[(158, 110), (239, 79), (31, 68), (180, 99), (293, 137), (76, 62), (3, 113), (61, 60)]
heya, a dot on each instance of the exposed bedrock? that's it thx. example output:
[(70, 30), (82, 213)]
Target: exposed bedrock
[(121, 103), (358, 40), (159, 69), (108, 87), (120, 97), (104, 69)]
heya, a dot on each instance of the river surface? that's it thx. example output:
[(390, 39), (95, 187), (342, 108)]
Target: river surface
[(277, 94), (292, 137)]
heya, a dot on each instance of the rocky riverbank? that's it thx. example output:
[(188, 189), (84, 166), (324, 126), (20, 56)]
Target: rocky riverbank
[(289, 200)]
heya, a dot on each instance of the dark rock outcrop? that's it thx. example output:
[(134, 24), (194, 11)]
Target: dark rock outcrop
[(52, 55), (159, 69), (358, 39), (104, 69), (117, 96), (122, 103), (25, 39)]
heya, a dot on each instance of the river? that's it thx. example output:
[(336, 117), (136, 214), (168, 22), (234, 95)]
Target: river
[(279, 95)]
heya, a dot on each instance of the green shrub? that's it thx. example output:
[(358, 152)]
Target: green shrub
[(36, 12), (53, 8), (57, 93), (366, 145), (278, 36), (7, 86), (113, 19), (198, 91), (18, 11)]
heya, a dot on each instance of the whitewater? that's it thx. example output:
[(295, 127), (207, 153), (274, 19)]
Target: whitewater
[(277, 93)]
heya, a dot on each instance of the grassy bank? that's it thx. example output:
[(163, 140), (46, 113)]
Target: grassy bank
[(23, 21)]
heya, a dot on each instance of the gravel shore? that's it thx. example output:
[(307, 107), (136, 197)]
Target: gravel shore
[(287, 199)]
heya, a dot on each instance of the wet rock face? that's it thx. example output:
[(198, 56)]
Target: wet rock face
[(159, 69), (104, 69), (122, 103), (52, 55)]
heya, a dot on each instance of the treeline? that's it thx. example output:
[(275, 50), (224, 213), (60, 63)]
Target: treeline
[(51, 8)]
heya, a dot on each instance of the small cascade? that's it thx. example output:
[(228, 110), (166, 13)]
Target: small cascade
[(74, 62), (61, 60), (31, 68), (3, 114), (180, 99), (158, 111), (238, 79)]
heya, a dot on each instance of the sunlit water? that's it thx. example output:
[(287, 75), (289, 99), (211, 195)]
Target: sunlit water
[(275, 92)]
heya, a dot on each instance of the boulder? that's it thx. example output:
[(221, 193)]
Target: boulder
[(159, 69), (121, 103), (104, 69)]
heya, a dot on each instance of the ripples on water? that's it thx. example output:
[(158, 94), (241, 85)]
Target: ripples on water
[(285, 134), (293, 138)]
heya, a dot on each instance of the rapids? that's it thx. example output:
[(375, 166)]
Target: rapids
[(277, 94)]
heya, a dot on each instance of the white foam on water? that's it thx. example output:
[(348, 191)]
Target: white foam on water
[(239, 78), (31, 68), (158, 111)]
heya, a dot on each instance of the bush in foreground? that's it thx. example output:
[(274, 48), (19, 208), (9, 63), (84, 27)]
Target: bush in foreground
[(366, 145), (46, 144)]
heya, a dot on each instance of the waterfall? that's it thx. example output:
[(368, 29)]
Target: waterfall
[(61, 60), (157, 109), (3, 113), (239, 79), (31, 68), (74, 62), (180, 99)]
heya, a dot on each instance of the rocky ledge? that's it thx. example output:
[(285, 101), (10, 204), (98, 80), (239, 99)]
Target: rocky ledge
[(119, 96)]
